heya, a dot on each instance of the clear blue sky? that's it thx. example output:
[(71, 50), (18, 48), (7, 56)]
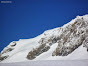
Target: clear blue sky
[(23, 19)]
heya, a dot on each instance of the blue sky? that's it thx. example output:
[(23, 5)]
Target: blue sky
[(23, 19)]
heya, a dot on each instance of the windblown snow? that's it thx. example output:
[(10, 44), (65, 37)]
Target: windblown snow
[(68, 42)]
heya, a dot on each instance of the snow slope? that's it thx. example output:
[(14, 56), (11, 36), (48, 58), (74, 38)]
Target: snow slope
[(17, 51), (21, 50), (79, 54)]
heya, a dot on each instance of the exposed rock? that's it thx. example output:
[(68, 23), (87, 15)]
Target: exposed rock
[(68, 37), (68, 44), (37, 51), (7, 50), (13, 44), (3, 57)]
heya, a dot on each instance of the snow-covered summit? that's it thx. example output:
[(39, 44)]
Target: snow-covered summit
[(68, 42)]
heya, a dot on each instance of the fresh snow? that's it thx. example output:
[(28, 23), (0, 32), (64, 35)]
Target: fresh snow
[(23, 46), (49, 63), (79, 54)]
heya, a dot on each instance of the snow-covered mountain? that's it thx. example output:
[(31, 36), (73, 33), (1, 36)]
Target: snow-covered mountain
[(69, 42)]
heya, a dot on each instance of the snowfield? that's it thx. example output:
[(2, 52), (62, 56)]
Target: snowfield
[(61, 46), (49, 63)]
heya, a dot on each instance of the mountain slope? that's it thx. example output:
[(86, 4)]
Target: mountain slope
[(68, 42)]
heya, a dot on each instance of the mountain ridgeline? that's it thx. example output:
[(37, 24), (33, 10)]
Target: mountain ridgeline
[(68, 38)]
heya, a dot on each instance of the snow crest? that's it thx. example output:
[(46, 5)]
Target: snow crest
[(69, 42)]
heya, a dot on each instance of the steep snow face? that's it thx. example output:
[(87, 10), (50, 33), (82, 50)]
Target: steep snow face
[(21, 49), (61, 43), (78, 54)]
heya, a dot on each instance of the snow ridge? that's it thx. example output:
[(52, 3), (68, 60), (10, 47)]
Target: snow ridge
[(68, 42)]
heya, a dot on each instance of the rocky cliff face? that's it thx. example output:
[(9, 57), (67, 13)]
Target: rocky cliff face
[(69, 37), (72, 37)]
